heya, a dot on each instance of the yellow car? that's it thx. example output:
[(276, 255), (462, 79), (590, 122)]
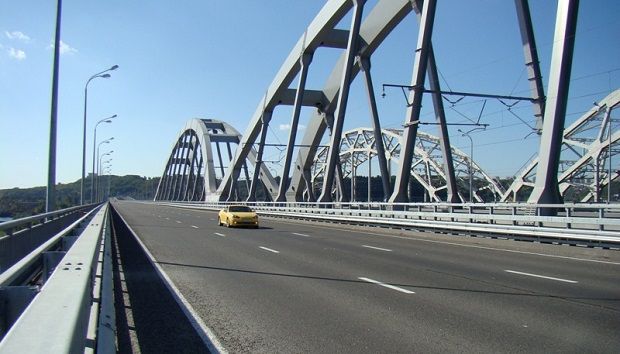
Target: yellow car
[(237, 215)]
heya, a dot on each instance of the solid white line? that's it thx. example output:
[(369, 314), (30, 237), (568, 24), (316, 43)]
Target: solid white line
[(387, 285), (298, 234), (542, 276), (194, 226), (269, 249), (377, 248), (219, 234)]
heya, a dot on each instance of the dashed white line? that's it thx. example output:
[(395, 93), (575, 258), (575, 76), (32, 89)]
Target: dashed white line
[(219, 234), (377, 248), (386, 285), (167, 218), (542, 276), (194, 226), (298, 234), (178, 222), (269, 249)]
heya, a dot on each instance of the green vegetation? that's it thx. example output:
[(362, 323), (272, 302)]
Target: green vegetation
[(18, 202)]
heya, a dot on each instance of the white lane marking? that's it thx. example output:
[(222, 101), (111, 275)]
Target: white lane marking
[(219, 234), (194, 226), (542, 276), (387, 285), (298, 234), (167, 218), (269, 249), (178, 222), (377, 248), (413, 238), (212, 219)]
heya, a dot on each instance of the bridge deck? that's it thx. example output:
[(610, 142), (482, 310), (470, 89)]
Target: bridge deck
[(302, 287)]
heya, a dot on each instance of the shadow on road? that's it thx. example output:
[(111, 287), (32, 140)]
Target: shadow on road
[(148, 318)]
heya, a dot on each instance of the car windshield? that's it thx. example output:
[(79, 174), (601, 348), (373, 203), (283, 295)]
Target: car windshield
[(239, 208)]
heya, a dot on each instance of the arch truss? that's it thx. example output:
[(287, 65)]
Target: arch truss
[(429, 161), (358, 151), (191, 174), (589, 148)]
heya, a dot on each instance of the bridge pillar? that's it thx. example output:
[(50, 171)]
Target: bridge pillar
[(444, 139), (305, 60), (265, 119), (341, 106), (376, 126), (546, 189), (413, 111)]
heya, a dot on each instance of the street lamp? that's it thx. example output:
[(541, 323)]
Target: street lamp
[(471, 159), (105, 166), (99, 171), (92, 184), (108, 172), (105, 76), (107, 141)]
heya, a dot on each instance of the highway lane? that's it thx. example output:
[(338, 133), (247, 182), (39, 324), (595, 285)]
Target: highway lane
[(302, 287)]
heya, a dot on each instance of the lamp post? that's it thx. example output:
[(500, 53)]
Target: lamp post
[(99, 171), (107, 141), (104, 168), (108, 172), (50, 195), (92, 183), (471, 161), (105, 76)]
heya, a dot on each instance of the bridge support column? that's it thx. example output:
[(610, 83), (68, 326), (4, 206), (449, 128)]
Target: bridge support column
[(413, 111), (376, 126), (307, 176), (341, 106), (546, 189), (233, 193), (265, 119), (305, 60), (444, 139)]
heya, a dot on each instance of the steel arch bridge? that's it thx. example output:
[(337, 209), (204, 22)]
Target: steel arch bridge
[(358, 149), (320, 169)]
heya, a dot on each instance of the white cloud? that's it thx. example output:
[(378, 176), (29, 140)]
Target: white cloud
[(16, 54), (64, 48), (20, 36), (284, 127)]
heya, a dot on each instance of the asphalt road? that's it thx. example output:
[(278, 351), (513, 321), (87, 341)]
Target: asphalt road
[(318, 287)]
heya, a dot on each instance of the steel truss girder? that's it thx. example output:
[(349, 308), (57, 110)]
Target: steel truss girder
[(595, 147), (427, 167)]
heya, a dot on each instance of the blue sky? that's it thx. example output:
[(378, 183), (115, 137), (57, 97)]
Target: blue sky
[(214, 59)]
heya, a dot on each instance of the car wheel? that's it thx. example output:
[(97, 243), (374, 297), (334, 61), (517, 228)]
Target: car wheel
[(227, 222), (219, 221)]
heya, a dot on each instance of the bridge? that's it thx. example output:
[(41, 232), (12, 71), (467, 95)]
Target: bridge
[(372, 239)]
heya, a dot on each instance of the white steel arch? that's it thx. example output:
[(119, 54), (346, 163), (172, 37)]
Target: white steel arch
[(190, 172), (358, 147), (587, 152)]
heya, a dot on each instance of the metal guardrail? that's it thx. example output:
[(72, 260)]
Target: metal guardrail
[(10, 227), (63, 316), (589, 224)]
